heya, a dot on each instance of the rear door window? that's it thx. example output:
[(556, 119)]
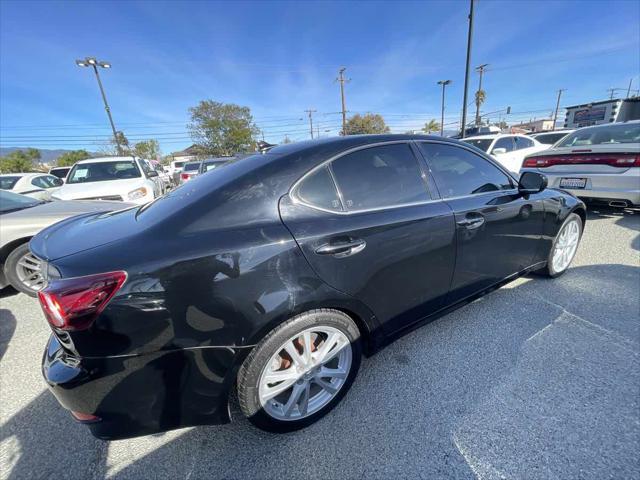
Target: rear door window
[(319, 190), (523, 142), (506, 143), (459, 172), (380, 177)]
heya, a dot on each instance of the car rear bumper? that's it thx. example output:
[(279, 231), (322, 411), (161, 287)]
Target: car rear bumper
[(143, 394), (606, 186)]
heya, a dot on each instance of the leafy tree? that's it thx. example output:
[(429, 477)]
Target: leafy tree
[(431, 126), (502, 125), (365, 124), (221, 129), (19, 161), (481, 96), (286, 139), (67, 159), (111, 149), (149, 149)]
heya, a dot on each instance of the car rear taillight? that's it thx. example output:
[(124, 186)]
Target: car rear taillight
[(612, 159), (184, 176), (73, 304)]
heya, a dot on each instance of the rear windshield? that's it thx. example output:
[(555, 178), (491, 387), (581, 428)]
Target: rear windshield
[(604, 135), (11, 202), (549, 138), (60, 172), (190, 167), (178, 164), (103, 171), (481, 143), (7, 183)]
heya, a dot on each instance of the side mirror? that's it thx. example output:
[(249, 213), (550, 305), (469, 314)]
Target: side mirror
[(531, 182), (152, 174), (499, 151)]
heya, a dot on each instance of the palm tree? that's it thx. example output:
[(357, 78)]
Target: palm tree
[(431, 126), (481, 96)]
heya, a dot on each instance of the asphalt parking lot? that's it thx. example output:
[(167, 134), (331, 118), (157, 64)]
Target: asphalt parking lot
[(540, 379)]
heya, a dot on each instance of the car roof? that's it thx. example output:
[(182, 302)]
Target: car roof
[(491, 135), (23, 174), (107, 159)]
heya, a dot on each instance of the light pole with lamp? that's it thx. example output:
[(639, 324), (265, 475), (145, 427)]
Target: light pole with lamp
[(444, 83), (92, 62)]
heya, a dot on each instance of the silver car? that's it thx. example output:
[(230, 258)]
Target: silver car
[(21, 217), (599, 163)]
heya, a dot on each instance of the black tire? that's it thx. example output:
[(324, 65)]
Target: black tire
[(253, 366), (10, 270), (548, 270)]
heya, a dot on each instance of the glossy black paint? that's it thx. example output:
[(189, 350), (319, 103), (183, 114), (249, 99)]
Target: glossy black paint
[(219, 262)]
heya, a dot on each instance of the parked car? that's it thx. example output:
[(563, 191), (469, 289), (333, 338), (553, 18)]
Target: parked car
[(189, 170), (175, 168), (549, 138), (60, 172), (599, 163), (212, 163), (508, 150), (35, 185), (274, 274), (128, 179), (167, 180), (21, 217)]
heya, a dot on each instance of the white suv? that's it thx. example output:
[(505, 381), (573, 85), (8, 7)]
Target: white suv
[(508, 150), (128, 179)]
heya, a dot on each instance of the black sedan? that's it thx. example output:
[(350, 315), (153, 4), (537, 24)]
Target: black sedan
[(274, 274)]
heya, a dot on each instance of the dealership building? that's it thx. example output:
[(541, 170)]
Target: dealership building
[(606, 111)]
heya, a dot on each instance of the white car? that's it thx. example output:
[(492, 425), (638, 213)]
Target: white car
[(508, 150), (600, 164), (175, 168), (40, 186), (128, 179), (60, 172)]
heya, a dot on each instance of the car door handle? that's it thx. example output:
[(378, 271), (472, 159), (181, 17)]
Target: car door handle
[(342, 249), (471, 223)]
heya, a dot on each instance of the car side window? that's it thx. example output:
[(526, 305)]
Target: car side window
[(42, 182), (506, 143), (523, 142), (459, 172), (145, 167), (319, 190), (380, 177)]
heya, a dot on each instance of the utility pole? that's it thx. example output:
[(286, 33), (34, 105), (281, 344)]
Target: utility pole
[(342, 81), (444, 83), (612, 90), (466, 73), (479, 69), (92, 62), (629, 89), (310, 113), (555, 115)]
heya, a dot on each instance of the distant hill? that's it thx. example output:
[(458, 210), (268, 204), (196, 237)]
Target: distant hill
[(47, 156)]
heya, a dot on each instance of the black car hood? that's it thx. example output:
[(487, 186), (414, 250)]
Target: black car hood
[(83, 232)]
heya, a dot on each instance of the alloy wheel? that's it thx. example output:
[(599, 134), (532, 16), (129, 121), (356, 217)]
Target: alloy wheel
[(566, 246), (305, 373), (29, 272)]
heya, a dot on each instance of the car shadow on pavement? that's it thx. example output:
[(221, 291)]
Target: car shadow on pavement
[(8, 292), (505, 386), (7, 327)]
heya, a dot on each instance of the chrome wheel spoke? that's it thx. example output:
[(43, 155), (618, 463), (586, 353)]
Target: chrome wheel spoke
[(306, 385)]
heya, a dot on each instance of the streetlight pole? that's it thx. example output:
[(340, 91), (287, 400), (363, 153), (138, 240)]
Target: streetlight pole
[(92, 62), (466, 74), (444, 83), (342, 81)]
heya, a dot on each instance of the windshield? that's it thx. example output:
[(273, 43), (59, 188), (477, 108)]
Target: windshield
[(605, 135), (103, 171), (60, 172), (11, 202), (191, 167), (481, 143), (7, 183)]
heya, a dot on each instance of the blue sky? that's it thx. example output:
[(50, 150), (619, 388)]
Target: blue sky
[(280, 58)]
